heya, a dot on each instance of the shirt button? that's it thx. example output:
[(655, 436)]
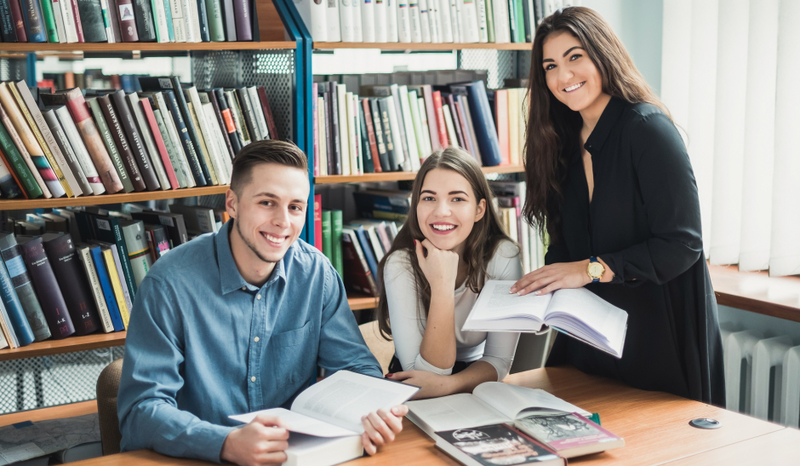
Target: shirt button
[(244, 288), (256, 339), (258, 296), (252, 379)]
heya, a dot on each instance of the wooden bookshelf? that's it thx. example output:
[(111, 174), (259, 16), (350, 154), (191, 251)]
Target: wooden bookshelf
[(398, 176), (66, 345), (18, 204), (144, 46), (359, 302), (418, 47)]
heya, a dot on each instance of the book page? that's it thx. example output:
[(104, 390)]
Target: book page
[(453, 412), (512, 400), (588, 317), (497, 309), (297, 422), (343, 398)]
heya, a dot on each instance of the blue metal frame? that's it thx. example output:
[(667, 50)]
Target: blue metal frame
[(302, 109), (30, 73)]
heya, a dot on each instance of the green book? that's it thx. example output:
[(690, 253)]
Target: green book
[(490, 20), (326, 235), (520, 21), (108, 140), (215, 28), (336, 241), (17, 163), (49, 21)]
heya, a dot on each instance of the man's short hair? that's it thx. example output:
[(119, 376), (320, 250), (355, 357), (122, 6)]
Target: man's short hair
[(266, 151)]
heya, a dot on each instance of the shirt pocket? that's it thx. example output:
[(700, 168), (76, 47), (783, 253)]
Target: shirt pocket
[(291, 356)]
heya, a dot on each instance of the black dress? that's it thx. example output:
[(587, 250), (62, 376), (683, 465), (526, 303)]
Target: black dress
[(644, 222)]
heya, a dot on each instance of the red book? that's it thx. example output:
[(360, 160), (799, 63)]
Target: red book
[(318, 221), (127, 21), (373, 144), (273, 130), (19, 23), (437, 107), (162, 149), (501, 112), (77, 15)]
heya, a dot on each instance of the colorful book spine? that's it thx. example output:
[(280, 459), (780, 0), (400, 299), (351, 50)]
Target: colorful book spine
[(138, 249), (49, 20), (127, 21), (121, 143), (12, 15), (336, 241), (20, 159), (92, 22), (216, 29), (44, 281), (108, 290), (158, 140), (14, 309), (318, 221), (23, 287), (327, 235), (85, 257), (34, 24), (89, 185), (116, 285), (244, 26), (108, 141)]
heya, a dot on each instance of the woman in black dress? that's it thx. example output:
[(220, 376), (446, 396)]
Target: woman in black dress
[(610, 182)]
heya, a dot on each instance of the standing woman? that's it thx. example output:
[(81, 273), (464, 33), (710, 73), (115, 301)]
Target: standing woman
[(610, 181)]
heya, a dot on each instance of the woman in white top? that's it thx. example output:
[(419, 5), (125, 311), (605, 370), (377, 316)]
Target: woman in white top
[(451, 243)]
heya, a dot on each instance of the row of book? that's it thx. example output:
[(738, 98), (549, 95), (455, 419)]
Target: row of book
[(91, 79), (112, 21), (399, 125), (166, 137), (356, 247), (76, 271), (425, 21)]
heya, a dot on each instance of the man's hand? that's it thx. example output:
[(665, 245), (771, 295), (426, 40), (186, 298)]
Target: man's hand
[(381, 426), (261, 442)]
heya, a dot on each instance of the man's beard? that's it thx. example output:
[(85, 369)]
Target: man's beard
[(252, 246)]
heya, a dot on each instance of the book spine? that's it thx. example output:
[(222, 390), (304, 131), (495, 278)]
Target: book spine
[(112, 32), (244, 26), (92, 22), (32, 14), (85, 256), (87, 184), (168, 19), (440, 123), (186, 140), (136, 145), (50, 297), (127, 21), (108, 290), (72, 282), (148, 142), (216, 29), (19, 24), (247, 111), (161, 147), (203, 150), (94, 143), (217, 146), (212, 95), (238, 117), (433, 124), (178, 20), (49, 20), (365, 138), (21, 281), (484, 125), (9, 183), (327, 235), (191, 129), (7, 29), (160, 19), (202, 21), (336, 241), (229, 19), (227, 118), (13, 306), (20, 159), (121, 142), (105, 132), (138, 250), (59, 20), (265, 107), (382, 143), (318, 221), (368, 129), (68, 16), (389, 136), (9, 337), (501, 121), (29, 142), (258, 114), (469, 142), (172, 132), (180, 174), (145, 26)]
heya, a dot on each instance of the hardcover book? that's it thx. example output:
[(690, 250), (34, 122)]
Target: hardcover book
[(89, 184), (135, 140), (121, 143), (92, 21), (85, 256), (13, 307), (108, 139), (568, 434), (145, 27), (21, 280), (34, 23), (108, 290), (491, 445)]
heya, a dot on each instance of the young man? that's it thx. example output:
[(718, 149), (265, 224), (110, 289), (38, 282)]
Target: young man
[(238, 321)]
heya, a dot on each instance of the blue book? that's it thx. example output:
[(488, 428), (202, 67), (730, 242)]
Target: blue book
[(108, 292), (34, 22), (14, 309), (170, 29), (363, 240), (485, 130)]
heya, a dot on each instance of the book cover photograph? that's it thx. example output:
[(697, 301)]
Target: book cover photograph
[(493, 445), (569, 434)]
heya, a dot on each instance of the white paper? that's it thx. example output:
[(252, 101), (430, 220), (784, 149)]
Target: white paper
[(296, 422)]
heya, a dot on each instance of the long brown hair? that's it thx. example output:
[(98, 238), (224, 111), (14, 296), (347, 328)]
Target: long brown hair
[(486, 234), (553, 129)]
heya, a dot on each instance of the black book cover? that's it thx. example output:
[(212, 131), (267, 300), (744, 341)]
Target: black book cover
[(7, 28), (145, 25), (72, 281), (383, 111), (494, 444), (333, 117), (322, 90), (247, 113), (14, 263), (46, 286), (92, 22), (229, 20), (383, 145), (121, 142), (135, 140), (227, 119), (203, 17), (173, 223), (366, 150)]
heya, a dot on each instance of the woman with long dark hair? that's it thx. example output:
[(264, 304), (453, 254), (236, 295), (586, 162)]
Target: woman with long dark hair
[(610, 182), (451, 243)]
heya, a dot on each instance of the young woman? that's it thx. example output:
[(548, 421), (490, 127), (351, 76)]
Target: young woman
[(451, 243), (610, 181)]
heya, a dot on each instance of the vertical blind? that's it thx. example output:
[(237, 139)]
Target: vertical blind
[(729, 77)]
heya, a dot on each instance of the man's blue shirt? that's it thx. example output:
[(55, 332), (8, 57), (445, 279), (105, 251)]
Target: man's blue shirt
[(203, 344)]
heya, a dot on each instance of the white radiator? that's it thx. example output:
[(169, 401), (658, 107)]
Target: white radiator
[(762, 375)]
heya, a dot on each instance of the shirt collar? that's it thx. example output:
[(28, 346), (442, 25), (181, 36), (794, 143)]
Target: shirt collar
[(605, 124), (230, 279)]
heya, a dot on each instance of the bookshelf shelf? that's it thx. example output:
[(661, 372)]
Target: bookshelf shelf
[(17, 204), (144, 46), (67, 345), (359, 302), (397, 176), (415, 47)]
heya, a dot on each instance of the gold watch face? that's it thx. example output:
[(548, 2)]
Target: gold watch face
[(595, 270)]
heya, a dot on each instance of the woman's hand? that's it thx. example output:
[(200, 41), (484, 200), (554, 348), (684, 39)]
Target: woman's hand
[(439, 266), (553, 277), (432, 385)]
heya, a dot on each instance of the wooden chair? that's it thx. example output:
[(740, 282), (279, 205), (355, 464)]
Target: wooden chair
[(107, 386), (382, 349)]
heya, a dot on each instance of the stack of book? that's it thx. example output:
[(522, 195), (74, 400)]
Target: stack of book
[(76, 271), (426, 21), (395, 127), (111, 21), (166, 137)]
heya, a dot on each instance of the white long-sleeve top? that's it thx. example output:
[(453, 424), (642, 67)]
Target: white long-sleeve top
[(408, 325)]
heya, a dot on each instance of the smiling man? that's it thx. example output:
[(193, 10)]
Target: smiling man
[(238, 321)]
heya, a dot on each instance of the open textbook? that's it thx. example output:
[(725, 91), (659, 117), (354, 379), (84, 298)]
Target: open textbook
[(489, 403), (325, 419), (578, 313)]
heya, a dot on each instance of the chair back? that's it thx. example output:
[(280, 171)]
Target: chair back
[(382, 349), (107, 386)]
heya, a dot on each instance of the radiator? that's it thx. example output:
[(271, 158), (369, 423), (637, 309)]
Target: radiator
[(762, 375)]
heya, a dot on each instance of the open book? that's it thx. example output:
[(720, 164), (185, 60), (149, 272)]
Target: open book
[(578, 313), (489, 403), (327, 416)]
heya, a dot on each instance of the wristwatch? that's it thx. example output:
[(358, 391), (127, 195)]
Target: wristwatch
[(595, 269)]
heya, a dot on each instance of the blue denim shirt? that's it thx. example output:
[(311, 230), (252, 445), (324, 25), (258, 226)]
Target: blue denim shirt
[(203, 344)]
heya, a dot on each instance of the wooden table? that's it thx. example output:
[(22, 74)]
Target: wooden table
[(654, 425)]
